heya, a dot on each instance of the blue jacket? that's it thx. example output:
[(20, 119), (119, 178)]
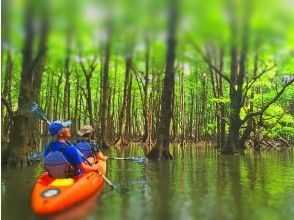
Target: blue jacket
[(62, 160)]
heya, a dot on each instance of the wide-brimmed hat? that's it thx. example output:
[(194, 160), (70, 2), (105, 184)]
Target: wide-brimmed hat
[(86, 129), (56, 126)]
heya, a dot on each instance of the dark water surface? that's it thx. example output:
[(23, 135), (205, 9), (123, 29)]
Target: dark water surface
[(197, 184)]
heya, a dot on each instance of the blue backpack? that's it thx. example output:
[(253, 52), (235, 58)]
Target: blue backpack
[(57, 165), (85, 148)]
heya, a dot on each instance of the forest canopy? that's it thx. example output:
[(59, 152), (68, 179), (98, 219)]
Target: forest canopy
[(106, 63)]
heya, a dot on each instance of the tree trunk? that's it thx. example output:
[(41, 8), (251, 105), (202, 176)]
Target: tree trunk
[(77, 95), (6, 120), (129, 109), (21, 138), (111, 118), (56, 101), (145, 88), (192, 97), (236, 86), (121, 140), (183, 118), (161, 149), (89, 99), (174, 119), (67, 73), (48, 105), (105, 93), (88, 73), (216, 82)]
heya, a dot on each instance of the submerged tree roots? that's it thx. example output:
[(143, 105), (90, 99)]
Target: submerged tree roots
[(159, 154)]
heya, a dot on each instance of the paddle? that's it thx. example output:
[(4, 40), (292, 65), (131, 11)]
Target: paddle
[(139, 160), (39, 113)]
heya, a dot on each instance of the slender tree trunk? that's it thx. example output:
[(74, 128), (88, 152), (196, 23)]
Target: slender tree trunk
[(111, 124), (121, 140), (67, 73), (129, 109), (77, 95), (89, 99), (216, 82), (251, 126), (105, 94), (48, 104), (145, 88), (221, 107), (174, 119), (56, 101), (161, 149), (192, 97), (109, 118), (203, 114), (183, 118), (88, 73), (149, 141), (6, 120)]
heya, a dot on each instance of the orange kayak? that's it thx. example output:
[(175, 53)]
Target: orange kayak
[(51, 195)]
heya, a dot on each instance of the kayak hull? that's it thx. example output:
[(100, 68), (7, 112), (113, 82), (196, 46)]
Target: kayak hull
[(49, 197)]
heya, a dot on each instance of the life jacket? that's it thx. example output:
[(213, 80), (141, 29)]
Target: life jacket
[(85, 148), (57, 165)]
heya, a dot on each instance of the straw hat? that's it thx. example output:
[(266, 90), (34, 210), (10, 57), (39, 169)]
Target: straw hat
[(86, 129)]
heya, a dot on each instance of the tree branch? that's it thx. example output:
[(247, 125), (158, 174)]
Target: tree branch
[(8, 107), (249, 85), (264, 108), (211, 65), (221, 117), (139, 81), (82, 65)]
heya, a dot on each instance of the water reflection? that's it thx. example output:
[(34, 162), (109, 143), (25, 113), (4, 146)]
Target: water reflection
[(198, 184), (77, 212)]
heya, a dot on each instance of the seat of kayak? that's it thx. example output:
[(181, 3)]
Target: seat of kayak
[(62, 182)]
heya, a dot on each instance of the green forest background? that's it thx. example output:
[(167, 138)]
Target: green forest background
[(156, 72)]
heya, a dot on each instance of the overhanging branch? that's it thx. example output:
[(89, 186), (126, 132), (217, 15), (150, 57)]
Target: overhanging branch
[(264, 108), (249, 85), (210, 64)]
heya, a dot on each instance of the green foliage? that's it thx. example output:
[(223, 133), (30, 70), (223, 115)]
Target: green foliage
[(205, 24)]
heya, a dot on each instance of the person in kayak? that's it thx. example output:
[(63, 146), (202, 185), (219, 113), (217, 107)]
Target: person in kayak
[(87, 145), (63, 160)]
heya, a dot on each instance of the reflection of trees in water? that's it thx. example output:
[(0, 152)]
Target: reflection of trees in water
[(236, 188), (221, 183), (228, 187), (197, 184)]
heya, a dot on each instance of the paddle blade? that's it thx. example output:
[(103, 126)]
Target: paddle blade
[(38, 112), (139, 160)]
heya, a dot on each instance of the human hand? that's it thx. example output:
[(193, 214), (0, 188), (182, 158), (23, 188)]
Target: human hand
[(100, 156)]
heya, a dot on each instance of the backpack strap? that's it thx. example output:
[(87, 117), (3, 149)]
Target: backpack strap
[(62, 149)]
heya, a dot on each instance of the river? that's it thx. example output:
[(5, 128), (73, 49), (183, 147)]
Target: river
[(198, 184)]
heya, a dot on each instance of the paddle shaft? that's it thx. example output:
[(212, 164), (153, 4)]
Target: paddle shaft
[(120, 158)]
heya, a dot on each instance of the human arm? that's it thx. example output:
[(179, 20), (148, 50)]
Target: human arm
[(87, 168), (100, 156), (97, 151), (76, 160)]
